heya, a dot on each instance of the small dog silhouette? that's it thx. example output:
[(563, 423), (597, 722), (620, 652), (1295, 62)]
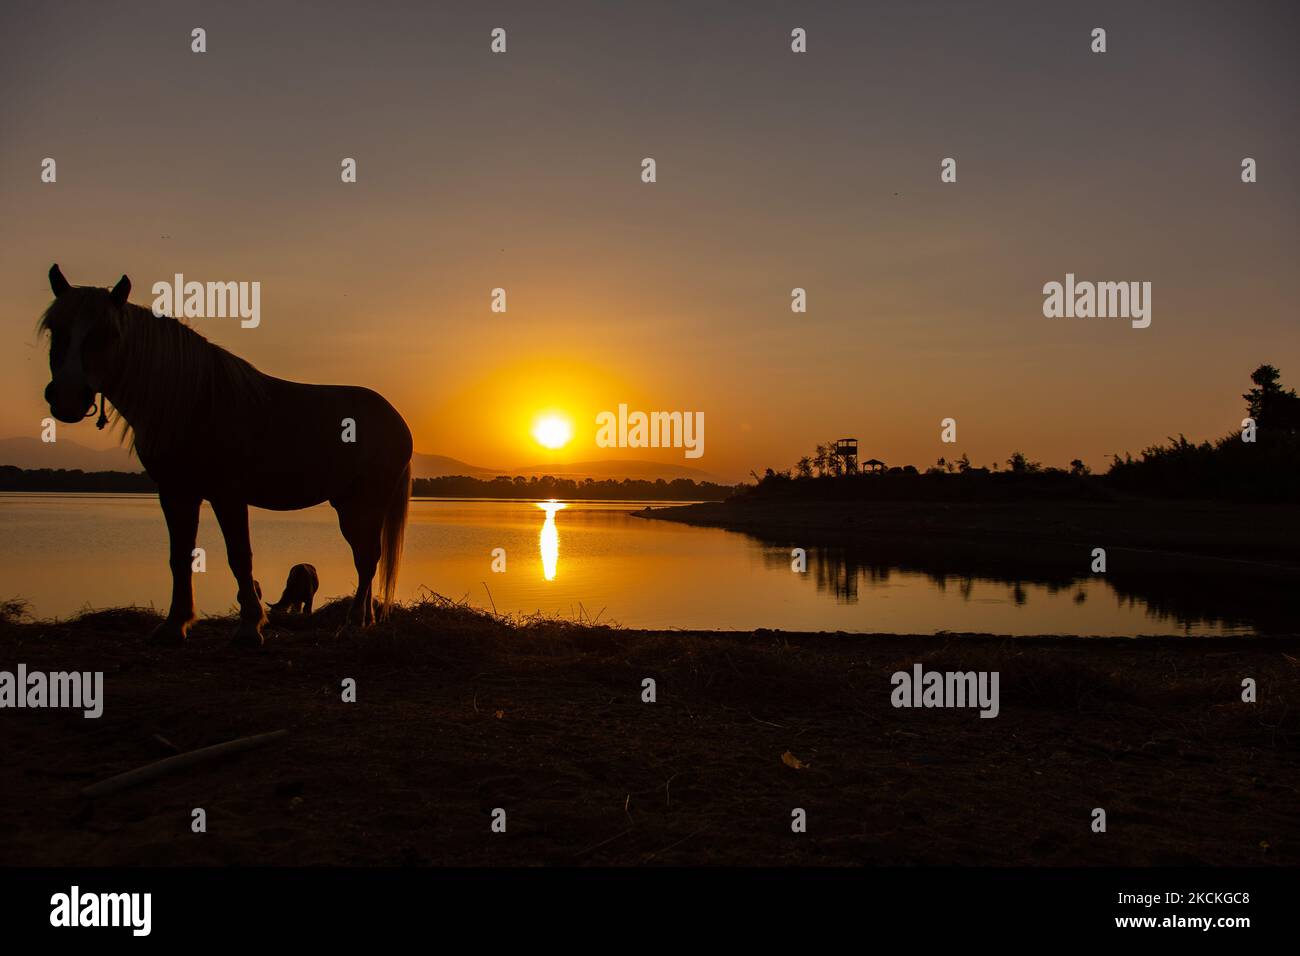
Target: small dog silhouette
[(299, 590)]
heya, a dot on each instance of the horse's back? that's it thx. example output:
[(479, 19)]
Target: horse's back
[(313, 443)]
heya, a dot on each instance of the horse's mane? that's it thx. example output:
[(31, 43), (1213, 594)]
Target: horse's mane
[(170, 378)]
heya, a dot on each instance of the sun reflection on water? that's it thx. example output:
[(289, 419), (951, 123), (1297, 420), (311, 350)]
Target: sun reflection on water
[(549, 539)]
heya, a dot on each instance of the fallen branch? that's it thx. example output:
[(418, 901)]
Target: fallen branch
[(168, 764)]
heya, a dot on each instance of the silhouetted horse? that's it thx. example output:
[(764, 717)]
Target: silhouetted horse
[(206, 425), (299, 590)]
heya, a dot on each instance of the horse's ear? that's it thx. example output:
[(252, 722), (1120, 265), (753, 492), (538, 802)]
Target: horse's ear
[(59, 284), (121, 291)]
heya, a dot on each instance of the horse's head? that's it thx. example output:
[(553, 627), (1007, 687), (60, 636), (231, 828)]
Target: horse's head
[(85, 326)]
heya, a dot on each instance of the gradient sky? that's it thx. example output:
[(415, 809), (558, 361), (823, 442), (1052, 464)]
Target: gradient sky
[(775, 170)]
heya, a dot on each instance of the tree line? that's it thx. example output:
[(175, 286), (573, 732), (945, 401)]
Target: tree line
[(75, 480), (1259, 461), (547, 486)]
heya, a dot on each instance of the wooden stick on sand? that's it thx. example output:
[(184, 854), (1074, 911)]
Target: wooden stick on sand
[(168, 764)]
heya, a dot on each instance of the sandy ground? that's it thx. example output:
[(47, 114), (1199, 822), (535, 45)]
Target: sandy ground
[(458, 714)]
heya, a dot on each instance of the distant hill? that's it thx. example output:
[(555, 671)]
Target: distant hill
[(32, 453), (646, 470), (440, 466)]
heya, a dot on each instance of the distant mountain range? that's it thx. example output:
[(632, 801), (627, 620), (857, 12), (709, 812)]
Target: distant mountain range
[(33, 453), (439, 466)]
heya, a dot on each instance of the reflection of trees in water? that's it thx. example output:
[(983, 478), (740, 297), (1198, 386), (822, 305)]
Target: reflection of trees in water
[(1192, 601), (839, 573), (1186, 600)]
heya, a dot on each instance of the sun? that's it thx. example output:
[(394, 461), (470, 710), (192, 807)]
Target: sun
[(552, 431)]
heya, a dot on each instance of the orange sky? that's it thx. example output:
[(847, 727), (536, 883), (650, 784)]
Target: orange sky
[(775, 170)]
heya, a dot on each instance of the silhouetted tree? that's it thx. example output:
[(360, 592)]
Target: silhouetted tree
[(821, 460), (1021, 465), (1274, 408)]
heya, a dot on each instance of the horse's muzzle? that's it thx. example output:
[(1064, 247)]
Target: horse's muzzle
[(69, 409)]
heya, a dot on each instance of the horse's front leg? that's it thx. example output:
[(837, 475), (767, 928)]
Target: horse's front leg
[(233, 518), (181, 509)]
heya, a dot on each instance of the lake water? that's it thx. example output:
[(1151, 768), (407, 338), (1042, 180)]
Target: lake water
[(65, 553)]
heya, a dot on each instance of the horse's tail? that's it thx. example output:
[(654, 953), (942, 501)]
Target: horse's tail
[(390, 538)]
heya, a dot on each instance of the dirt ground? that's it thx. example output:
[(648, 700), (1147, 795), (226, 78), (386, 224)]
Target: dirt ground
[(458, 713)]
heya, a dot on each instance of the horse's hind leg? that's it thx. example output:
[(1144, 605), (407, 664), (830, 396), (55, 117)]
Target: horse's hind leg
[(361, 526), (233, 518)]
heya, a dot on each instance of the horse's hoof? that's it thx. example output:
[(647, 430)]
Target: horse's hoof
[(169, 633), (247, 635)]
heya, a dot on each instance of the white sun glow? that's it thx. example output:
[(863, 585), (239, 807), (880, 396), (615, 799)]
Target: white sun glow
[(552, 431)]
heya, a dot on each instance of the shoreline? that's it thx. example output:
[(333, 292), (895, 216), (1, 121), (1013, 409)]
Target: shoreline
[(1214, 562), (1261, 535)]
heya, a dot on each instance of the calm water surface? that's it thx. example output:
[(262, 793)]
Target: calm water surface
[(65, 553)]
